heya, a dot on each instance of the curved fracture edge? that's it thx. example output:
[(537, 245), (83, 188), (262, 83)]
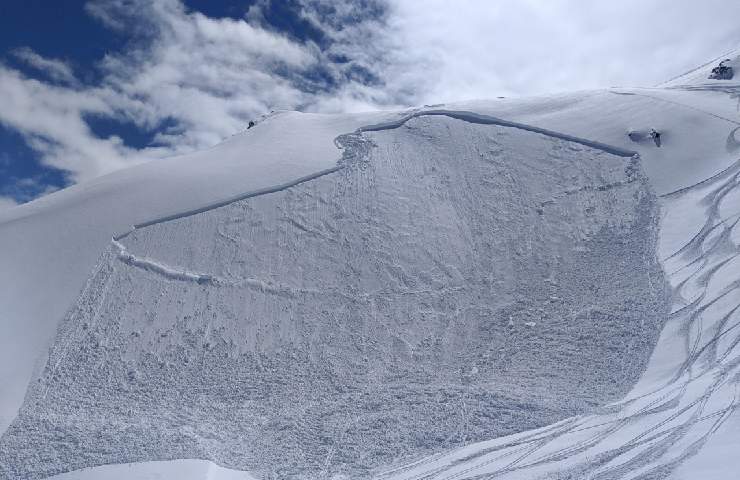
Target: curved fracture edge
[(473, 117), (187, 469), (207, 279), (222, 203), (466, 116)]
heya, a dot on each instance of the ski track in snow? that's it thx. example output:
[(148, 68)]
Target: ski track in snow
[(658, 426), (732, 91)]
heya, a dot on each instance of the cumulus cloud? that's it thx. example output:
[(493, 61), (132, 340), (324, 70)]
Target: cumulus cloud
[(51, 120), (205, 78), (55, 69)]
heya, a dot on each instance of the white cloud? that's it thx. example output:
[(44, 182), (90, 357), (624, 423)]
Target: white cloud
[(481, 49), (208, 77), (51, 120), (55, 69), (6, 202)]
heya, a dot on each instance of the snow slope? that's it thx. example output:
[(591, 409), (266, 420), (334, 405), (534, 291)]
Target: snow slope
[(50, 246), (158, 470), (305, 322), (676, 422), (699, 76), (682, 415)]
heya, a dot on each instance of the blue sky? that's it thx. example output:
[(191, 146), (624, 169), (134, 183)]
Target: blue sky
[(91, 86), (40, 25)]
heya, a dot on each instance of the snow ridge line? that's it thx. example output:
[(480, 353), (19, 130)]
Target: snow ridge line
[(472, 117), (207, 279), (714, 60), (466, 116)]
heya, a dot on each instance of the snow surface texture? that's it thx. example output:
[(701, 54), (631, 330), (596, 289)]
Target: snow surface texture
[(449, 283), (49, 247), (681, 419), (165, 470)]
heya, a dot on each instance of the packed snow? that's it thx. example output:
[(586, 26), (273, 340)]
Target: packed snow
[(447, 292), (157, 470), (49, 247), (334, 325)]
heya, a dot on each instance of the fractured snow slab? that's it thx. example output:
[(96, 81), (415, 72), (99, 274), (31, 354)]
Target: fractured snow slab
[(49, 247), (362, 317), (162, 470)]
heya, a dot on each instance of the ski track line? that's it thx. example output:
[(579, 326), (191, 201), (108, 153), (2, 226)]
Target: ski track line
[(667, 427), (690, 107), (714, 60)]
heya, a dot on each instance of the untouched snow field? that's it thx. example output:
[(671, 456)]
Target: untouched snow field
[(479, 294)]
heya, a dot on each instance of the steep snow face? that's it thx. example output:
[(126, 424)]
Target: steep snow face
[(449, 283), (49, 247)]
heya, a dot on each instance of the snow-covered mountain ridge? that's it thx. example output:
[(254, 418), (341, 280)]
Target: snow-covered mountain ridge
[(447, 252)]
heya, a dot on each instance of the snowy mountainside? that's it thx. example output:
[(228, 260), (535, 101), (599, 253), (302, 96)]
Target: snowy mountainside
[(253, 259), (50, 246), (702, 75), (681, 419), (372, 314)]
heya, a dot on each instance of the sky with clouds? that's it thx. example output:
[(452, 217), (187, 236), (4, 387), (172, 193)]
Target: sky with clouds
[(89, 87)]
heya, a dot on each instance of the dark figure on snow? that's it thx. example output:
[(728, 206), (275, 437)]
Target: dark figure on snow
[(655, 135), (251, 124), (722, 71)]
